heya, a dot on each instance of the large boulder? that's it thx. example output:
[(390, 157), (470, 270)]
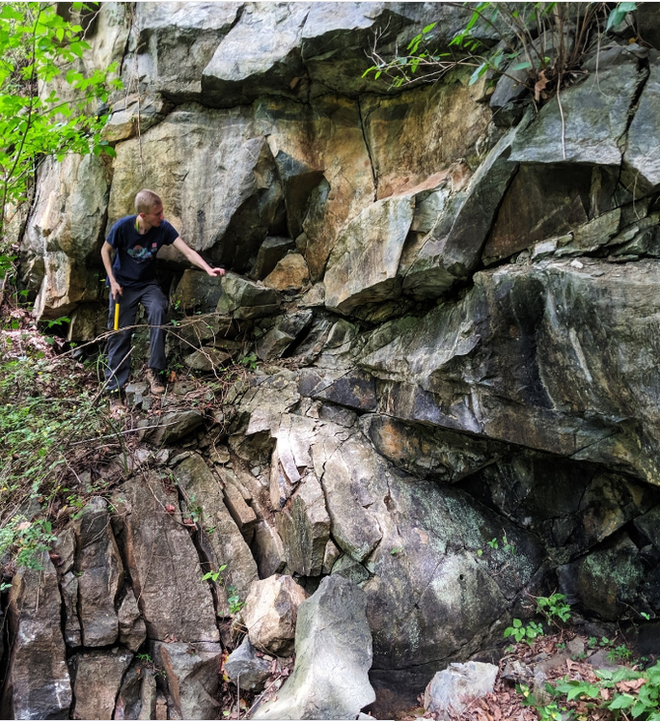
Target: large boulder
[(333, 655)]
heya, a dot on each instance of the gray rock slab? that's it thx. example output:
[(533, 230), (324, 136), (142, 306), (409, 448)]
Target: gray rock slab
[(242, 294), (197, 291), (363, 265), (170, 427), (247, 670), (272, 32), (642, 157), (451, 691), (163, 562), (99, 676), (566, 397), (595, 114), (193, 676), (100, 574), (38, 684), (333, 656)]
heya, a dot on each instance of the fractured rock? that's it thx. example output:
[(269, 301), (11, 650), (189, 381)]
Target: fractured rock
[(304, 527), (100, 575), (225, 544), (285, 331), (163, 563), (193, 676), (98, 679), (333, 656), (270, 613), (363, 265), (132, 629), (38, 684), (137, 696), (271, 251), (246, 669)]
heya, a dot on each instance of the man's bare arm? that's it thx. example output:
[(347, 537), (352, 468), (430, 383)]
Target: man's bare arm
[(106, 257), (196, 259)]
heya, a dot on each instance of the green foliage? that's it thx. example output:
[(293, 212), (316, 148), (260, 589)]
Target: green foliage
[(233, 599), (633, 693), (48, 417), (38, 47), (533, 45), (548, 712), (524, 633), (619, 654), (554, 607), (27, 539), (249, 361)]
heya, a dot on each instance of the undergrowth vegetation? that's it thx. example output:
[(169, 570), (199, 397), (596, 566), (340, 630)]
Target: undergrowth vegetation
[(628, 689), (51, 419), (540, 45)]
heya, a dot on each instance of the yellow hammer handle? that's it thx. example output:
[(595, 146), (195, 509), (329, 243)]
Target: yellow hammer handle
[(116, 316)]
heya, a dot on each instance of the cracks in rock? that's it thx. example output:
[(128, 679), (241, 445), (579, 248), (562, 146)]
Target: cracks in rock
[(368, 148), (644, 69), (205, 561)]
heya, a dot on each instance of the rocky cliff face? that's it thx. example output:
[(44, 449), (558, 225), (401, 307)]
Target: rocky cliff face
[(455, 307)]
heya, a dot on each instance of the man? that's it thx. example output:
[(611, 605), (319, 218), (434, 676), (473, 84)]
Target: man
[(135, 241)]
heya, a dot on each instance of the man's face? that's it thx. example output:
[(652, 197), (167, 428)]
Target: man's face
[(154, 217)]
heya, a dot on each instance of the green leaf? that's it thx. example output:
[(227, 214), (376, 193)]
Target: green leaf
[(521, 66), (476, 75), (428, 28), (624, 700)]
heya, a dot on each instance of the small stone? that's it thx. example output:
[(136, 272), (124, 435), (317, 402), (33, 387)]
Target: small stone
[(246, 669)]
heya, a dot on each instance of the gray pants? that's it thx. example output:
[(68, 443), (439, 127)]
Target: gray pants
[(119, 343)]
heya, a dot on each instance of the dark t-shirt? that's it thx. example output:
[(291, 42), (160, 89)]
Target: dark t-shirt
[(135, 257)]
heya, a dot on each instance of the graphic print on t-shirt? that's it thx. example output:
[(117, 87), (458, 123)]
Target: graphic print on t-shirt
[(140, 254)]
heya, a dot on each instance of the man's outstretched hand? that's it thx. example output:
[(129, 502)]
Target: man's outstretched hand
[(216, 272)]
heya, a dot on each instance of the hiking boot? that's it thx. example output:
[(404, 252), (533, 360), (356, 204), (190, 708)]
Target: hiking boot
[(155, 379)]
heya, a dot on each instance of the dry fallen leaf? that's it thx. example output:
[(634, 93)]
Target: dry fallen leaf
[(539, 86), (628, 686)]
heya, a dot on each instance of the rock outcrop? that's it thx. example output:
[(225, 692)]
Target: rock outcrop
[(442, 310)]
